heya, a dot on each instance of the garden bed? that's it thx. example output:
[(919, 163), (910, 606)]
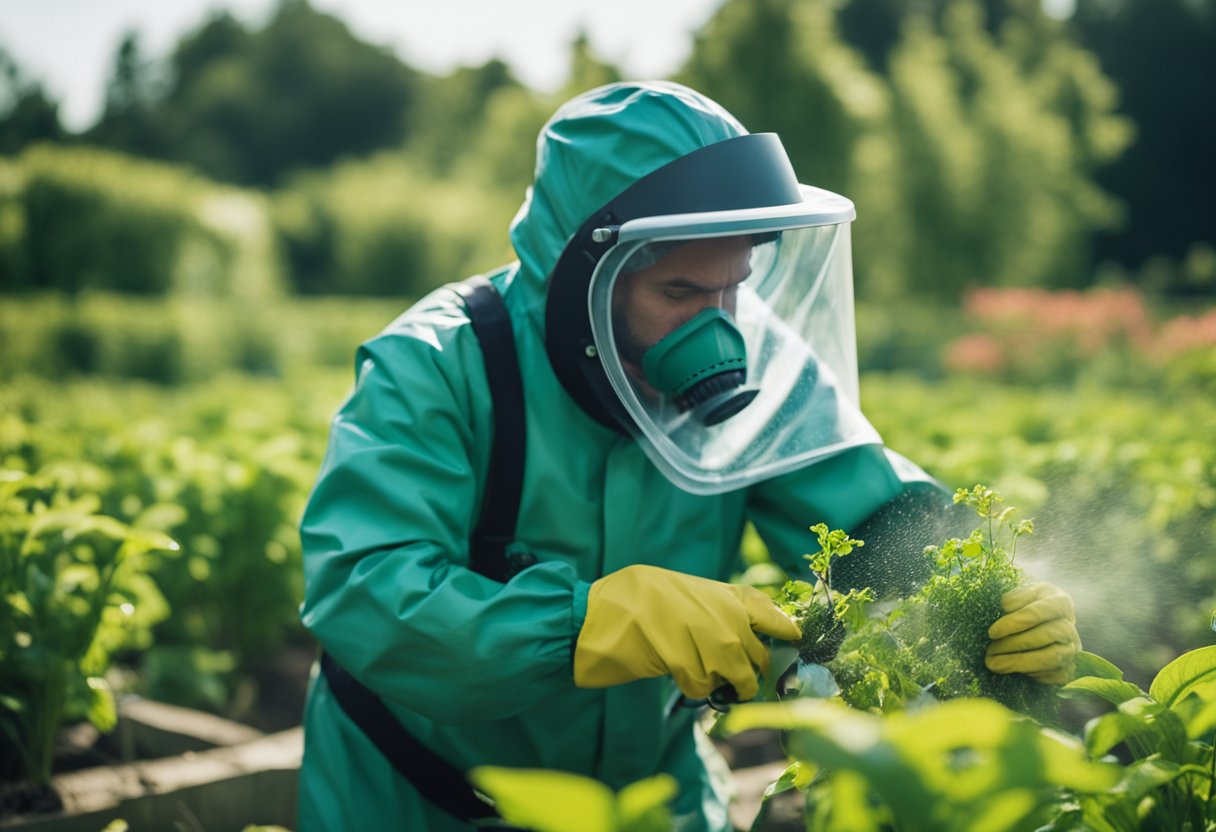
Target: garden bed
[(190, 768)]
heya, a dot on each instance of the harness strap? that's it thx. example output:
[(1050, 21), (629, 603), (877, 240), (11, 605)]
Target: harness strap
[(437, 780), (504, 481)]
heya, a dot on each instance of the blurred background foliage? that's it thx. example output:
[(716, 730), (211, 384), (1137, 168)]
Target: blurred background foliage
[(184, 283), (986, 143)]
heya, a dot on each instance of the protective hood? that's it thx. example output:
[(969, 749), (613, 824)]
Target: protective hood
[(696, 296), (593, 148)]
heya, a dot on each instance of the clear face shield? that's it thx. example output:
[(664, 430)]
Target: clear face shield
[(729, 339)]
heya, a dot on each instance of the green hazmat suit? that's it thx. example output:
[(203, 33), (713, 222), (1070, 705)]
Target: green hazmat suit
[(479, 671)]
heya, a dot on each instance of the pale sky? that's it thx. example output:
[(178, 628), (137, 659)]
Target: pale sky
[(69, 45)]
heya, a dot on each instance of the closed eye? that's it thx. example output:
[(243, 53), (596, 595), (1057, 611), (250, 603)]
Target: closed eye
[(681, 288)]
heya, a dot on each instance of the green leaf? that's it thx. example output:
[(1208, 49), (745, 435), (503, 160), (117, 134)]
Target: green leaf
[(959, 723), (1184, 673), (642, 806), (1197, 710), (1143, 776), (147, 540), (850, 803), (1091, 664), (103, 712), (1064, 764), (797, 775), (161, 517), (1105, 732), (1114, 691), (13, 704), (782, 656), (835, 736), (97, 524), (548, 801), (802, 713), (1003, 811), (1148, 727)]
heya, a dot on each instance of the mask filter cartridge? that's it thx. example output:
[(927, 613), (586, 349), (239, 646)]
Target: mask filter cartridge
[(702, 366)]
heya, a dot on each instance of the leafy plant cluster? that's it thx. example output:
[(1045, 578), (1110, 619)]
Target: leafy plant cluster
[(75, 593), (74, 218), (889, 754), (935, 640), (960, 766), (182, 340), (1122, 489), (971, 764), (93, 474), (821, 616)]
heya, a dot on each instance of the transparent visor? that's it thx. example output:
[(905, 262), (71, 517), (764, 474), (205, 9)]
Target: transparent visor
[(735, 354)]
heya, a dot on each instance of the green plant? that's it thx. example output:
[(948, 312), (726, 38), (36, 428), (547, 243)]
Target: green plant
[(558, 801), (72, 597), (936, 639), (822, 616), (1122, 489), (95, 219), (968, 764), (223, 468), (1169, 733)]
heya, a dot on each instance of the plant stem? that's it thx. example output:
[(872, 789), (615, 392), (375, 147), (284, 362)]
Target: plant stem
[(1212, 782)]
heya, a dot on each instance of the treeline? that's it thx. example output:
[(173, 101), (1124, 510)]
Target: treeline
[(985, 143)]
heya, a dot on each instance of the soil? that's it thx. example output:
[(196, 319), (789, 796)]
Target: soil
[(23, 799), (281, 684), (278, 688)]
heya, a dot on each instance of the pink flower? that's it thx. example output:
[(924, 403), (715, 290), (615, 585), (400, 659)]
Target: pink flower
[(1186, 333), (975, 354)]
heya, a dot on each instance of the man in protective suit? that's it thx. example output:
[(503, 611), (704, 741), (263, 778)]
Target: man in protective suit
[(682, 315)]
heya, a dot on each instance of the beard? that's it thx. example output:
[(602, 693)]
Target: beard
[(629, 345)]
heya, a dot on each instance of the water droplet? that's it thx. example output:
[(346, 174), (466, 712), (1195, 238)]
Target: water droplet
[(1214, 619)]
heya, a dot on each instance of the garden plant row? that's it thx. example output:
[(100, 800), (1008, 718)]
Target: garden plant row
[(149, 533)]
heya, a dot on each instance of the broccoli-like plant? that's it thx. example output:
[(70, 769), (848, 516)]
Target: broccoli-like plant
[(822, 616), (936, 639)]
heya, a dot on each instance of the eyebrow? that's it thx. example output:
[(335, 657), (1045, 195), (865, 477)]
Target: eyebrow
[(679, 282)]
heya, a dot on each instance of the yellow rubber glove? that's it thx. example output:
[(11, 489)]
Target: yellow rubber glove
[(644, 621), (1036, 636)]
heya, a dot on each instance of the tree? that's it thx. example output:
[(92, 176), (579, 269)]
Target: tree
[(27, 114), (998, 140), (128, 120), (1162, 56), (587, 70), (971, 162), (251, 107), (451, 112), (781, 66)]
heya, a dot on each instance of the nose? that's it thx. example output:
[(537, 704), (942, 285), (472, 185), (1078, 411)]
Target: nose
[(726, 300)]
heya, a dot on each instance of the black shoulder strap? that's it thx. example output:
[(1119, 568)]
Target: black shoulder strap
[(436, 779), (504, 482)]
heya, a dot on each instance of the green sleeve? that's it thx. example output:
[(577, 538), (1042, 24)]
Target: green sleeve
[(385, 537), (870, 492)]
